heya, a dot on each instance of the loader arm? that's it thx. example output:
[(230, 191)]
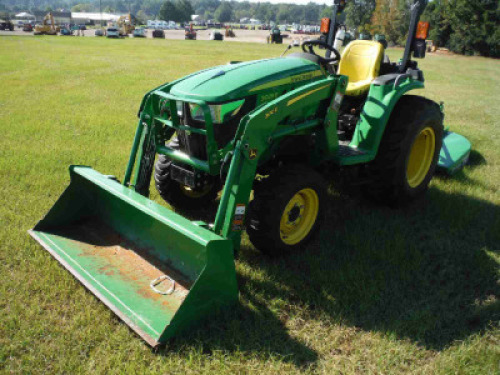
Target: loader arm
[(256, 134)]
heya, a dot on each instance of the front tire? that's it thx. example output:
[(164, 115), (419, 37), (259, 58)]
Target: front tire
[(287, 210), (178, 195), (408, 153)]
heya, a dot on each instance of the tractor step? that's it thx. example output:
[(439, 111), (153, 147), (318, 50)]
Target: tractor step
[(348, 155), (345, 150)]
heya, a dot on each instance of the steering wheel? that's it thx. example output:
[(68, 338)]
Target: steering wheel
[(311, 43)]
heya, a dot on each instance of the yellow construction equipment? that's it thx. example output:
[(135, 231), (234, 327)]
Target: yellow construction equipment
[(48, 26), (431, 46), (229, 32), (124, 24)]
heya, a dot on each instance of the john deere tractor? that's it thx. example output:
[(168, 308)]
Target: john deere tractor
[(271, 129)]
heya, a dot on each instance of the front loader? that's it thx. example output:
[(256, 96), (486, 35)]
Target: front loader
[(275, 128)]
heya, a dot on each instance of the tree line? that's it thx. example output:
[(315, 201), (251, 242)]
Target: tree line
[(470, 27), (220, 10)]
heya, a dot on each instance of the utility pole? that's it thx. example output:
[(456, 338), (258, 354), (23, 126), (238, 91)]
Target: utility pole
[(100, 11)]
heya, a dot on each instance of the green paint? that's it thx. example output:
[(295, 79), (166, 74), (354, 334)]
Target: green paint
[(374, 117), (98, 227), (237, 81), (96, 216), (454, 153)]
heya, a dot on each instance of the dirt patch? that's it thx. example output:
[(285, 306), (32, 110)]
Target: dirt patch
[(123, 258)]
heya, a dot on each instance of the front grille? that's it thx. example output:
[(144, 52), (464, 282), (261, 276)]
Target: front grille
[(196, 144)]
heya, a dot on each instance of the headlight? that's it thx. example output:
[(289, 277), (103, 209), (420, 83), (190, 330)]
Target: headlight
[(220, 113)]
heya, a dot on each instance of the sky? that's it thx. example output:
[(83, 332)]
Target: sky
[(302, 2)]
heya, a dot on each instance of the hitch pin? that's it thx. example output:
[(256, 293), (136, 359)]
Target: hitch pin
[(158, 280)]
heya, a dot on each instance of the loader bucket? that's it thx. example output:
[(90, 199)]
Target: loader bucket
[(117, 242)]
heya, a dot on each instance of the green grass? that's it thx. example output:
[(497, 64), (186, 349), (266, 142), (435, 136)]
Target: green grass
[(380, 290)]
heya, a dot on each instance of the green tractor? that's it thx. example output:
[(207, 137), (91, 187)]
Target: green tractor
[(275, 36), (270, 129)]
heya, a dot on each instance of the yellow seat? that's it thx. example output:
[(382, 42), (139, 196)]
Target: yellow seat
[(361, 61)]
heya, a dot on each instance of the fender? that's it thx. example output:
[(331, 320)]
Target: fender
[(382, 99)]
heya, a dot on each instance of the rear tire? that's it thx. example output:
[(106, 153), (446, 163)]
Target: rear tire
[(408, 153), (287, 210), (178, 195)]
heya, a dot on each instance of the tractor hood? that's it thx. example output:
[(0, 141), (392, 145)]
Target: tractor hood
[(237, 81)]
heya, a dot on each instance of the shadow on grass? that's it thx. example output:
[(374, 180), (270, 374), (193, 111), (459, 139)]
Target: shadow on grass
[(475, 160), (250, 328), (424, 273)]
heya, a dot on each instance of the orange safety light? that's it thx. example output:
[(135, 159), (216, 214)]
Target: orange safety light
[(422, 30), (325, 25)]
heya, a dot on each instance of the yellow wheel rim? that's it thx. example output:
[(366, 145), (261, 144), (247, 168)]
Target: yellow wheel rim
[(187, 191), (421, 156), (299, 216)]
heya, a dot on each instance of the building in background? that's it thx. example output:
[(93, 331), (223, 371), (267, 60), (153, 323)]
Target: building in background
[(161, 25), (250, 21), (197, 20), (60, 18), (25, 16), (84, 18), (78, 18)]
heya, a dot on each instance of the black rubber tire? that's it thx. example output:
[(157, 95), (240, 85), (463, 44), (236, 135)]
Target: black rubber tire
[(171, 191), (270, 199), (387, 173)]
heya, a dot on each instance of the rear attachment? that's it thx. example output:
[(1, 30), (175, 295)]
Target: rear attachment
[(159, 272), (454, 153)]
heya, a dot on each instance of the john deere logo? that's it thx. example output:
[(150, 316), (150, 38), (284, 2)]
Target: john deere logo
[(252, 154)]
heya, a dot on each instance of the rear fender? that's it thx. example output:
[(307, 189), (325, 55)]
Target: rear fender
[(376, 112)]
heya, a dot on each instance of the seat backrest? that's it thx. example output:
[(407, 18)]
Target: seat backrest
[(361, 60)]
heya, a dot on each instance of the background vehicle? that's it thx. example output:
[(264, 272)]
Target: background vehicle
[(125, 25), (229, 32), (276, 128), (113, 32), (216, 35), (139, 33), (158, 34), (66, 30), (28, 27), (48, 26), (275, 36), (6, 25), (100, 32), (190, 33)]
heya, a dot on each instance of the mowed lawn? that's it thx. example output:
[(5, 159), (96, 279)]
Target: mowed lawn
[(380, 290)]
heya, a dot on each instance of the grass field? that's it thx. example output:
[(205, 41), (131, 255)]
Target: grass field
[(379, 291)]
